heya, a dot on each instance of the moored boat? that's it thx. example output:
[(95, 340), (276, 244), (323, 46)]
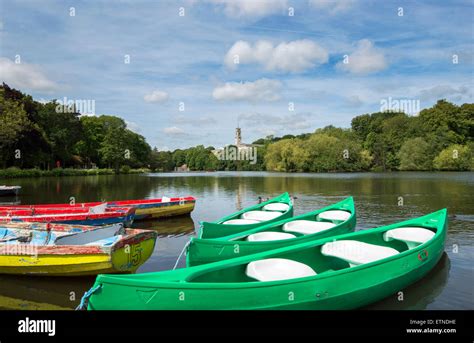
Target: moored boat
[(99, 215), (145, 208), (270, 211), (9, 190), (332, 220), (72, 250), (342, 272)]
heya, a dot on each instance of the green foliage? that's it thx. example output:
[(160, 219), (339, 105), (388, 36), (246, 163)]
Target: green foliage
[(125, 169), (14, 172), (455, 157), (201, 158), (162, 161), (13, 119), (45, 134), (415, 154), (321, 152)]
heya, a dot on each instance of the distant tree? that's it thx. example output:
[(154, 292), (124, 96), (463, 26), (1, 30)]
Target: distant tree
[(361, 126), (14, 123), (179, 157), (415, 154), (62, 128), (113, 148), (455, 157)]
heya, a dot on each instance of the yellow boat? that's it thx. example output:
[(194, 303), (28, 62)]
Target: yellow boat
[(72, 250), (144, 208)]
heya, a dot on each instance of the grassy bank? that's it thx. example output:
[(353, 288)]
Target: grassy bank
[(13, 172)]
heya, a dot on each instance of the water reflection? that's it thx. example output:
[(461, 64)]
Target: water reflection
[(177, 226), (42, 293), (377, 197), (59, 293), (420, 294)]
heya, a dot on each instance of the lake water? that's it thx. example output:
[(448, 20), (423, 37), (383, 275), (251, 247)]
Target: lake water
[(381, 198)]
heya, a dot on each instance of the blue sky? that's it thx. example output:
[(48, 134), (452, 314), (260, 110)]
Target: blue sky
[(291, 75)]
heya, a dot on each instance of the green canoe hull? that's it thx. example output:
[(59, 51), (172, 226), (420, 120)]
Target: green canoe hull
[(201, 251), (217, 229), (225, 286)]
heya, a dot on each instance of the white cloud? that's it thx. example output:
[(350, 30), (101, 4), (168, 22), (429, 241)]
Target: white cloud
[(24, 76), (132, 126), (354, 101), (173, 131), (156, 96), (194, 121), (446, 91), (295, 121), (295, 56), (260, 90), (365, 59), (333, 6), (251, 8)]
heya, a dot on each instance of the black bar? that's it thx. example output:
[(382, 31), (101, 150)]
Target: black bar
[(237, 323)]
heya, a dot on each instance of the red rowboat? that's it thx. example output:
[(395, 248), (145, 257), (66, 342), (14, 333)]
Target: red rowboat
[(99, 215), (146, 208)]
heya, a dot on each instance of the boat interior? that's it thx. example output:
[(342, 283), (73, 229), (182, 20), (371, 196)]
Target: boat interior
[(264, 213), (350, 251), (100, 236), (305, 225), (32, 211)]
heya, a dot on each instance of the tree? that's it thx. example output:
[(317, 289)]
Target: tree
[(415, 154), (14, 123), (113, 149), (62, 128), (286, 155), (455, 157), (89, 145), (179, 157), (361, 126), (138, 148)]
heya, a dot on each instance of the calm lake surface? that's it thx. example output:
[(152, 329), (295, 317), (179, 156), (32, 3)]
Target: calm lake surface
[(377, 196)]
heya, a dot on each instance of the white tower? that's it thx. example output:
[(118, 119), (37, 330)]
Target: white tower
[(238, 137)]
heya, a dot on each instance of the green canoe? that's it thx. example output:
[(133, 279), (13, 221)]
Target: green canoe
[(329, 221), (278, 208), (342, 272)]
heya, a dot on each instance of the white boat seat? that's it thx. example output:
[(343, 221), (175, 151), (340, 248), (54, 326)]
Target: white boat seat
[(334, 215), (412, 236), (261, 215), (355, 252), (273, 269), (307, 227), (269, 236), (241, 222), (276, 206)]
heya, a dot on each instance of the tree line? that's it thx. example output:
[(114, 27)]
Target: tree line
[(36, 135), (439, 138)]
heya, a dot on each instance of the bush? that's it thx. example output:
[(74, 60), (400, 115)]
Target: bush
[(415, 154), (125, 169), (455, 157), (14, 172)]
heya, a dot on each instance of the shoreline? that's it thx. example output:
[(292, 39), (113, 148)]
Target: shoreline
[(17, 173), (38, 173)]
